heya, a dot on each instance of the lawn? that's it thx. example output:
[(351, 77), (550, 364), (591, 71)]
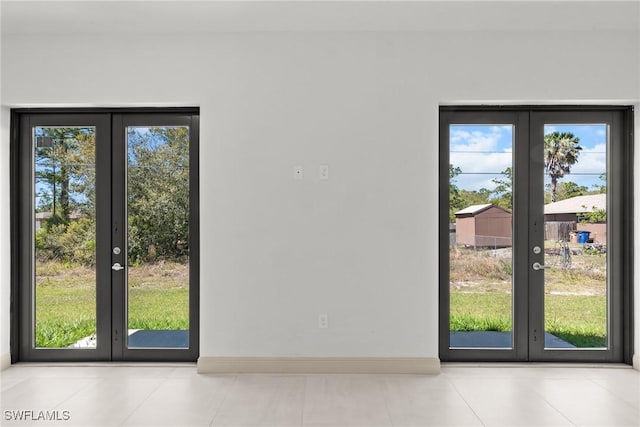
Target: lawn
[(575, 297), (578, 319), (66, 306)]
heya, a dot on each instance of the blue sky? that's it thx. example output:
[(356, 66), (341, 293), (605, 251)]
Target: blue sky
[(483, 151)]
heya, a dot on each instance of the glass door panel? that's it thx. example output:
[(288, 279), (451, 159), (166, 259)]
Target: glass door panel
[(578, 198), (157, 236), (535, 239), (480, 240), (64, 245), (575, 236), (104, 206)]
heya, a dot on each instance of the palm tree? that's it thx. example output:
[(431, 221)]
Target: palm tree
[(561, 151)]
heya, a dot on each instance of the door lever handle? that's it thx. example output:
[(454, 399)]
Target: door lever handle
[(117, 267), (537, 266)]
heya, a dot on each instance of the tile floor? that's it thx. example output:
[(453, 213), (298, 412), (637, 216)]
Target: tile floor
[(143, 395)]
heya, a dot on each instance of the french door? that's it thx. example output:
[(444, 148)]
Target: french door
[(105, 235), (535, 234)]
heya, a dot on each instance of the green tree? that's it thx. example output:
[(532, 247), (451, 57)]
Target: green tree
[(566, 190), (455, 201), (158, 193), (65, 185), (475, 197), (561, 151), (596, 216), (503, 193), (601, 188), (65, 171)]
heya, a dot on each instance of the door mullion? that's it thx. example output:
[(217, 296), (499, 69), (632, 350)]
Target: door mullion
[(118, 239), (103, 238), (521, 245), (535, 211)]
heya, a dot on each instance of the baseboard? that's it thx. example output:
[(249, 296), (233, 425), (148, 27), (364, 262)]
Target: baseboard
[(319, 365), (5, 361), (636, 362)]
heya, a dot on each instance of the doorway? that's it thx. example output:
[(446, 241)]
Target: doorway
[(105, 235), (535, 234)]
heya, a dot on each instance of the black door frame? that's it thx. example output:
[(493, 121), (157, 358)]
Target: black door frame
[(22, 230), (530, 290)]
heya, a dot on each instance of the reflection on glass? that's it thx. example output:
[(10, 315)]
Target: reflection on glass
[(575, 213), (158, 237), (64, 237), (480, 249)]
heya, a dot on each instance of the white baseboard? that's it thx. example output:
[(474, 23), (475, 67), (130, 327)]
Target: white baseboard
[(318, 365), (5, 361), (636, 362)]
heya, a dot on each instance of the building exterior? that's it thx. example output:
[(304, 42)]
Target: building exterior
[(563, 219), (485, 225)]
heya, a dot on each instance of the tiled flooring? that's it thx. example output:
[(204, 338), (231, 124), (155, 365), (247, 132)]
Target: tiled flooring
[(530, 395)]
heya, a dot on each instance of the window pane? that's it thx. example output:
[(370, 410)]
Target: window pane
[(65, 237), (575, 212), (480, 250), (158, 237)]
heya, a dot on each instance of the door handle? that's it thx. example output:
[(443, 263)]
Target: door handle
[(537, 266), (117, 267)]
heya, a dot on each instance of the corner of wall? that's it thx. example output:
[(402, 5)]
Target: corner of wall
[(5, 361), (5, 256)]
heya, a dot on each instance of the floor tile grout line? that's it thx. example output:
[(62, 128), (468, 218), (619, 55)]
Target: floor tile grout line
[(73, 395), (224, 400), (133, 411), (615, 396), (637, 407), (304, 400), (551, 405), (466, 402), (386, 401), (93, 380)]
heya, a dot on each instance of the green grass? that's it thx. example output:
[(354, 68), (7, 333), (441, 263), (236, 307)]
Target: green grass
[(66, 303), (575, 303), (577, 319)]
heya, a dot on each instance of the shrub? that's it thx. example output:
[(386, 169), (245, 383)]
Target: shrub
[(74, 242)]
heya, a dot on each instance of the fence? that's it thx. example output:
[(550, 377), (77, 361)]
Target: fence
[(559, 230), (481, 242)]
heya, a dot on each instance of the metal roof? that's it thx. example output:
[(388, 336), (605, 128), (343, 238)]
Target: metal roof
[(473, 209), (579, 204)]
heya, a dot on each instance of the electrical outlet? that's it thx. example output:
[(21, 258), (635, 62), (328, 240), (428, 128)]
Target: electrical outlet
[(324, 171), (323, 321)]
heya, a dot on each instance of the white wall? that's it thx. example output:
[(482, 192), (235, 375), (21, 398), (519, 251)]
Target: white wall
[(636, 237), (5, 256), (361, 246)]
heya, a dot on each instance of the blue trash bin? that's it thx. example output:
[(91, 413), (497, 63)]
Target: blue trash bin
[(583, 236)]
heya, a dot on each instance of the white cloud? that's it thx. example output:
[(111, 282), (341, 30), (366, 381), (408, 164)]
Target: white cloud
[(478, 154), (592, 160)]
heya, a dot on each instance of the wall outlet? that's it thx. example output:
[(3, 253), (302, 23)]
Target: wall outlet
[(323, 321), (324, 171)]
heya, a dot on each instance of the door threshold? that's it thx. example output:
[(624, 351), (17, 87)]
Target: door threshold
[(105, 364), (534, 365)]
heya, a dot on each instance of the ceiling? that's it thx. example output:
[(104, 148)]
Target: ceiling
[(202, 16)]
